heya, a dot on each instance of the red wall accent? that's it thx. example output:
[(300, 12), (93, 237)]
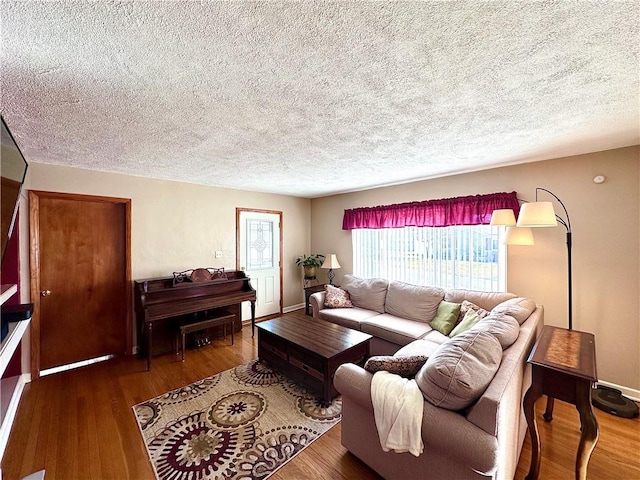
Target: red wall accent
[(11, 274)]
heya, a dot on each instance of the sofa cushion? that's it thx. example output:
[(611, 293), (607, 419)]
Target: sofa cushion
[(367, 293), (405, 366), (460, 370), (413, 302), (424, 346), (335, 297), (347, 317), (519, 308), (446, 317), (504, 327), (393, 329), (486, 300)]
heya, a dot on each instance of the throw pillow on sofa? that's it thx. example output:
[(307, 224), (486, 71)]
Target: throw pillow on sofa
[(446, 317), (466, 305), (460, 370), (470, 319), (335, 297), (404, 366)]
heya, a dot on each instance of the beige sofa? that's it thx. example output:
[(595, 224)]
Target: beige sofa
[(481, 440)]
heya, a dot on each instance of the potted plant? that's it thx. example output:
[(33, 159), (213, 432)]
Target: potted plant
[(310, 263)]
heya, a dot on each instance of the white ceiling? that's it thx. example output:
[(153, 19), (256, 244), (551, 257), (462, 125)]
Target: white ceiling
[(314, 98)]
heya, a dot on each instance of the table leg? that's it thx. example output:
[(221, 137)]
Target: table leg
[(548, 413), (232, 328), (589, 426), (253, 317), (534, 392), (148, 333)]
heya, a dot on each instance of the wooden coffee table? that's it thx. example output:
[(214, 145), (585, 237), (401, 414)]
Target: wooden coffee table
[(309, 350)]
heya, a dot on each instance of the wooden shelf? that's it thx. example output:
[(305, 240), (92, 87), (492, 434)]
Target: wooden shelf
[(11, 342), (7, 290), (10, 388)]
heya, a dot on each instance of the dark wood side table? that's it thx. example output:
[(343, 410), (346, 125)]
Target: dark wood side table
[(308, 291), (563, 366)]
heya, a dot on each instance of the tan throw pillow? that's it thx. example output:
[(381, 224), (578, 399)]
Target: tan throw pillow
[(335, 297), (460, 370), (404, 366)]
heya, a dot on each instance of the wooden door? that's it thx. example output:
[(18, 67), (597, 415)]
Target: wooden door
[(80, 278), (259, 247)]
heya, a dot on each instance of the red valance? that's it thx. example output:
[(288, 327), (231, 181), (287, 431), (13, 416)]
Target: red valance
[(470, 210)]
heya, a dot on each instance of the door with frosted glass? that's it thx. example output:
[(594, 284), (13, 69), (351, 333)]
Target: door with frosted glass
[(259, 256)]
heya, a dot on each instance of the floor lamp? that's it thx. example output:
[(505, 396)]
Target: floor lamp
[(542, 214), (513, 235)]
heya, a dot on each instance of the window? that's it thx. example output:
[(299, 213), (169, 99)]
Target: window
[(461, 256)]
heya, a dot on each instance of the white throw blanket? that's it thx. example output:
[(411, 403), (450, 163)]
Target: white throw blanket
[(398, 407)]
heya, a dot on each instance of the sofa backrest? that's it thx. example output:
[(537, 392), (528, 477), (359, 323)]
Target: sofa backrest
[(499, 410), (368, 293), (413, 302), (486, 300)]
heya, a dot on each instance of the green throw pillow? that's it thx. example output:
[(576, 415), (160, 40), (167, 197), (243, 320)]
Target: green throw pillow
[(446, 317), (470, 319)]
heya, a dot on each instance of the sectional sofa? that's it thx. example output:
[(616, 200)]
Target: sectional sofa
[(473, 382)]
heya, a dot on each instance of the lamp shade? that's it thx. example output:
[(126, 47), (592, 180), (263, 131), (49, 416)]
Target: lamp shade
[(503, 216), (537, 214), (331, 261), (518, 236)]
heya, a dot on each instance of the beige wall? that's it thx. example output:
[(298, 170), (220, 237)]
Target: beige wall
[(605, 223), (177, 226)]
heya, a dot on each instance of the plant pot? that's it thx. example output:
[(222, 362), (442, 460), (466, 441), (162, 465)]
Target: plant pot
[(309, 272)]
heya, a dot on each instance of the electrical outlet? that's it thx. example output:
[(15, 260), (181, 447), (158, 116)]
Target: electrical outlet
[(218, 253)]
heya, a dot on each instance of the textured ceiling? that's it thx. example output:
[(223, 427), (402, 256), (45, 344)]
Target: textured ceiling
[(314, 98)]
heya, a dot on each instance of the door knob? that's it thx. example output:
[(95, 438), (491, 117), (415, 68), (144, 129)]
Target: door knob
[(45, 293)]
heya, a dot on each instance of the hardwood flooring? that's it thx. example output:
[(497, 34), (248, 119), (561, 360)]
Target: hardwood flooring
[(79, 425)]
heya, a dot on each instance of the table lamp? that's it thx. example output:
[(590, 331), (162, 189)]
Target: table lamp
[(331, 262)]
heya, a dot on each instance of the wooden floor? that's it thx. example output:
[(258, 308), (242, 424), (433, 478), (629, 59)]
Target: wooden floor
[(79, 425)]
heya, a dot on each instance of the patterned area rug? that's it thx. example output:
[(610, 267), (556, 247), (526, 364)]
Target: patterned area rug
[(243, 423)]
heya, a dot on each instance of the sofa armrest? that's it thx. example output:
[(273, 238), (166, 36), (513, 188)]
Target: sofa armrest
[(316, 301), (503, 397), (354, 381), (443, 430)]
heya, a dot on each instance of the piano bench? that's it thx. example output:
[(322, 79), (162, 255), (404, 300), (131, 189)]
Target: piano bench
[(203, 325)]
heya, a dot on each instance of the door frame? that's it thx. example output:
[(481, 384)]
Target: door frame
[(280, 246), (34, 265)]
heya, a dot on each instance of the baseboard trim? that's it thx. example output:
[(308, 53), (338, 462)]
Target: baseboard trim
[(627, 392), (293, 308)]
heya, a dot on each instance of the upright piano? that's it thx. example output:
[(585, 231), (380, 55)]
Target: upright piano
[(163, 298)]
